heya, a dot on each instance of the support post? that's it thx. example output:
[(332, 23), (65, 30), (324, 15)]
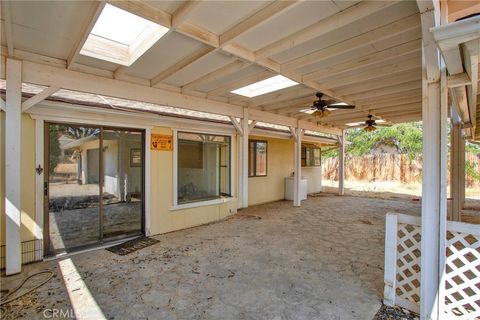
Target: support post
[(434, 175), (455, 166), (244, 159), (298, 167), (12, 166), (461, 171), (390, 275), (39, 180), (341, 164)]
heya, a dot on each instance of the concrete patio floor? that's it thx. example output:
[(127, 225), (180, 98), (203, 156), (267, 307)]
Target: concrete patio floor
[(323, 260)]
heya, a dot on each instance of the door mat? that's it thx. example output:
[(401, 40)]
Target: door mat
[(132, 246)]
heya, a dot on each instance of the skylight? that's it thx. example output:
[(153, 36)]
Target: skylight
[(121, 37), (265, 86), (119, 25)]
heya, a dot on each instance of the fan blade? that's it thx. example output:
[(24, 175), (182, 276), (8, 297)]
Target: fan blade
[(383, 124), (341, 106)]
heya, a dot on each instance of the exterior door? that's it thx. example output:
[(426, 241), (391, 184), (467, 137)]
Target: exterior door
[(87, 164), (72, 218)]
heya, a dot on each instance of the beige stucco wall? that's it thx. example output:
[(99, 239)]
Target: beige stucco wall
[(163, 218), (27, 179), (280, 164)]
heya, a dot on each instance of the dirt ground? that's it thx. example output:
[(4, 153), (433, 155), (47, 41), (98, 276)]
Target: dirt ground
[(323, 260)]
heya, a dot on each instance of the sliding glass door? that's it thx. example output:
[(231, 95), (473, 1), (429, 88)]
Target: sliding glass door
[(86, 164), (122, 182)]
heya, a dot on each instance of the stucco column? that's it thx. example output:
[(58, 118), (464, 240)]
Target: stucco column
[(13, 155)]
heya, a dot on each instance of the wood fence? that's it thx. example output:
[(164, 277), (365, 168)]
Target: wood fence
[(387, 167)]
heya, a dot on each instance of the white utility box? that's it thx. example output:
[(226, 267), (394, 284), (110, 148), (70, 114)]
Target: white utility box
[(289, 183)]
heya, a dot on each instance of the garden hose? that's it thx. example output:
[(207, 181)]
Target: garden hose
[(8, 297)]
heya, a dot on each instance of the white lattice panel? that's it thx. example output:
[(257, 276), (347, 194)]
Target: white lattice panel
[(462, 275), (408, 262)]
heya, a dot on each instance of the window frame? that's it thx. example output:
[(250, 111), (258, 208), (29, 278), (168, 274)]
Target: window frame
[(303, 158), (200, 203), (255, 175)]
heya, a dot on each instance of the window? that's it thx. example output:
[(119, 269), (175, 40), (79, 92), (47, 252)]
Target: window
[(257, 158), (203, 167), (311, 156)]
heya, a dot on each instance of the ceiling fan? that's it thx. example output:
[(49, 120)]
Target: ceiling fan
[(322, 108), (370, 124)]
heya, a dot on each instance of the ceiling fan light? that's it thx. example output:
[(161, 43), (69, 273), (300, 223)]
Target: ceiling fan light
[(318, 114), (369, 128), (326, 112)]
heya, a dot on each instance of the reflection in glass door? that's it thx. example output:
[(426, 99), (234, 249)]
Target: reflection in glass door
[(73, 186), (122, 182), (77, 171)]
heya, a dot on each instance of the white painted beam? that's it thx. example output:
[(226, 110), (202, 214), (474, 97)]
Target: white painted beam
[(343, 18), (78, 81), (85, 33), (5, 5), (13, 143), (39, 97)]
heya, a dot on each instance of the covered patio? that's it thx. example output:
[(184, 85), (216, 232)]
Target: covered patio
[(193, 110), (323, 260)]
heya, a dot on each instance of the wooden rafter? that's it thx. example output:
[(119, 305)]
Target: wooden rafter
[(386, 91), (181, 14), (75, 51), (389, 54), (216, 42), (287, 105), (254, 20), (238, 83), (350, 45), (372, 73), (215, 75), (183, 63), (5, 6), (343, 18), (409, 76)]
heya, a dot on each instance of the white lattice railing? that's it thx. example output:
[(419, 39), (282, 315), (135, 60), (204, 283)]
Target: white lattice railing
[(460, 282)]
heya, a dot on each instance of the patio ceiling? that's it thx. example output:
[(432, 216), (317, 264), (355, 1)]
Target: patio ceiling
[(365, 53)]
